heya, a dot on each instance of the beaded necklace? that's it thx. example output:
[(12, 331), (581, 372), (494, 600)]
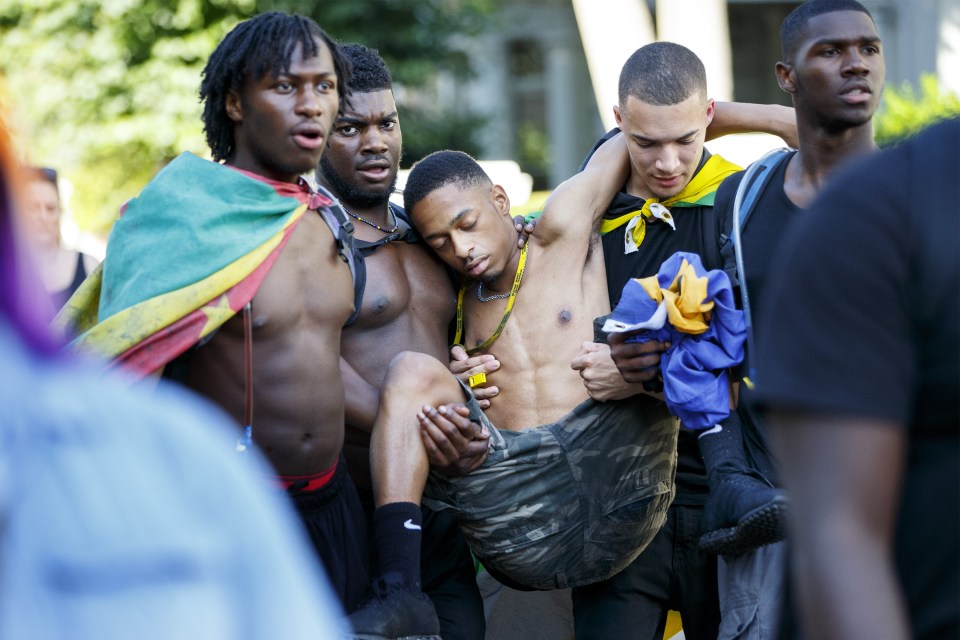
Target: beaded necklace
[(396, 225)]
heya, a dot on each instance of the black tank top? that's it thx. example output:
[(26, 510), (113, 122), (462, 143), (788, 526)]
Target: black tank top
[(79, 275)]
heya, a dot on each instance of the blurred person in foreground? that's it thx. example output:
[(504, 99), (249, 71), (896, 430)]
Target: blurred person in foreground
[(113, 518), (859, 365), (61, 268)]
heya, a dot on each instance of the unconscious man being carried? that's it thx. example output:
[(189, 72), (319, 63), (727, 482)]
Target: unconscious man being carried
[(566, 490)]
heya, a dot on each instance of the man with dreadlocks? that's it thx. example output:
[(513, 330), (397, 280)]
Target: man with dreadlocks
[(406, 302), (217, 262)]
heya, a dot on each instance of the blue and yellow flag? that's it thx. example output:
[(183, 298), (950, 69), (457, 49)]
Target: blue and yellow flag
[(694, 310)]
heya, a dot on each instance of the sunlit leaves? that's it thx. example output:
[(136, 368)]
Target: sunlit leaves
[(106, 91)]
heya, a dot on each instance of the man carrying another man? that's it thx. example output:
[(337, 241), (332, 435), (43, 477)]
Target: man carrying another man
[(565, 503), (664, 206), (406, 302), (833, 67)]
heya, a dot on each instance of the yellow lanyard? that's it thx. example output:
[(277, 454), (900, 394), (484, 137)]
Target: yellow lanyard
[(506, 312)]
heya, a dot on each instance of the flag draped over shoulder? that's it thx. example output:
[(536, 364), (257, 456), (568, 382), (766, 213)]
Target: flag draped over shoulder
[(699, 192), (694, 310), (186, 255)]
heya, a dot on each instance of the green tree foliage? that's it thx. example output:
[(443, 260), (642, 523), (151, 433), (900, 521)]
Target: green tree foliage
[(106, 90), (905, 111)]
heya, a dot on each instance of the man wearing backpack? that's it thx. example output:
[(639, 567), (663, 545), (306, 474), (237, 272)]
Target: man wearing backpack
[(406, 302), (833, 68)]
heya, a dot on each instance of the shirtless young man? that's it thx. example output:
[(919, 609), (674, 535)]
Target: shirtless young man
[(407, 303), (303, 302), (571, 501), (271, 92)]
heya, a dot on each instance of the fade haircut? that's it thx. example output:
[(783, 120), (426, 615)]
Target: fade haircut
[(369, 71), (795, 24), (439, 169), (662, 73), (262, 44)]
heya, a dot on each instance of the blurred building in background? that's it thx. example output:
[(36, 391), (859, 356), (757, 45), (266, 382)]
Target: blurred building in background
[(546, 70)]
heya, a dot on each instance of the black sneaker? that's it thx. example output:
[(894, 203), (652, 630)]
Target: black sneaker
[(742, 514), (396, 611)]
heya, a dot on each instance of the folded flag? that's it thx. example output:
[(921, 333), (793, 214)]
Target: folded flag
[(694, 310)]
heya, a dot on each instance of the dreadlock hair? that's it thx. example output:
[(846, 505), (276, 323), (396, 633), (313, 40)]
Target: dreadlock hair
[(368, 70), (662, 73), (794, 25), (439, 169), (262, 44)]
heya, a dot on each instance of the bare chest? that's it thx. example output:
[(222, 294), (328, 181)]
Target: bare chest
[(309, 284), (405, 282), (552, 312)]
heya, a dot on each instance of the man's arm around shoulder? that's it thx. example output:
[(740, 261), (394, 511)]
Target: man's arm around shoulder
[(575, 207)]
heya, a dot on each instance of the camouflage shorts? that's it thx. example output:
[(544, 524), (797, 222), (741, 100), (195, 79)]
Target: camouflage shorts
[(569, 503)]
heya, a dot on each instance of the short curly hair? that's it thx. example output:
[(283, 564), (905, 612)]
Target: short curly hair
[(254, 47), (439, 169), (793, 26), (369, 71)]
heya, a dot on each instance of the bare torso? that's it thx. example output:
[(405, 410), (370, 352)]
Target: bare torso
[(408, 304), (298, 313), (563, 290)]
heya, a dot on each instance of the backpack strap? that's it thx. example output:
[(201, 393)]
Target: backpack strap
[(342, 229), (710, 230), (364, 249), (754, 181)]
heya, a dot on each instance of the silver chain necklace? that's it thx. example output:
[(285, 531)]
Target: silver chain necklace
[(480, 297)]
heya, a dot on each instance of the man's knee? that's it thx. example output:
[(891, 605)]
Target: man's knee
[(416, 375)]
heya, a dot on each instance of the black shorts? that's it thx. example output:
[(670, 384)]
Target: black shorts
[(334, 520)]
